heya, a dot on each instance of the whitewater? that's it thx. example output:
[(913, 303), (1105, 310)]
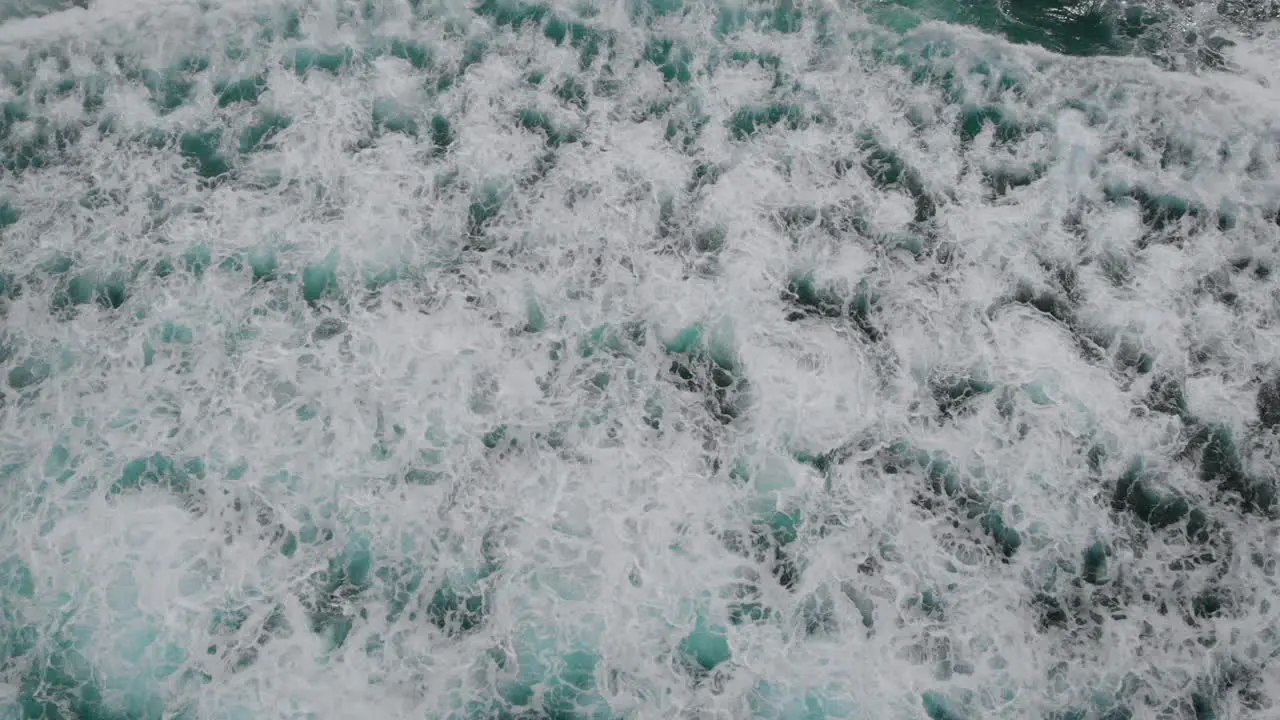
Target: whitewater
[(639, 359)]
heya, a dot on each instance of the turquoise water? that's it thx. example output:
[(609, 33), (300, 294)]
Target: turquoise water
[(647, 359)]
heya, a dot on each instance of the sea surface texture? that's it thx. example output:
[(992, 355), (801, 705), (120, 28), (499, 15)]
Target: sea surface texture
[(639, 359)]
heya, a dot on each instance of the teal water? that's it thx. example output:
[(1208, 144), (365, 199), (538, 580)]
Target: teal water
[(639, 359), (1166, 33)]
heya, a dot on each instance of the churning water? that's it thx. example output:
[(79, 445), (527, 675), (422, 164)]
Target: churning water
[(642, 359)]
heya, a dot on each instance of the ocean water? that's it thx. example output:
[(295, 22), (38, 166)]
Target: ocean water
[(631, 359)]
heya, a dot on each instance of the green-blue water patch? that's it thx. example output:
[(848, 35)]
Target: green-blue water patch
[(948, 483), (975, 118), (29, 373), (16, 578), (566, 677), (158, 470), (302, 60), (244, 90), (1159, 210), (889, 171), (813, 299), (258, 135), (391, 116), (197, 259), (459, 606), (706, 363), (1222, 466), (262, 261), (485, 207), (953, 393), (766, 60), (706, 647), (672, 60), (624, 341), (1095, 567), (401, 583), (12, 113), (37, 149), (442, 135), (9, 215), (203, 149), (769, 701), (574, 92), (538, 121), (581, 36), (419, 56), (348, 576), (1075, 27), (1137, 493), (506, 13), (378, 276), (1167, 395), (169, 89), (535, 318), (109, 290), (747, 121), (174, 333), (780, 16)]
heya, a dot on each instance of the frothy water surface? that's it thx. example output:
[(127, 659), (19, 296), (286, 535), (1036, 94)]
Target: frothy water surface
[(663, 359)]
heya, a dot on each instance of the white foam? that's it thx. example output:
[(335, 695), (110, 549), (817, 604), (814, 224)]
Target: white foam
[(610, 531)]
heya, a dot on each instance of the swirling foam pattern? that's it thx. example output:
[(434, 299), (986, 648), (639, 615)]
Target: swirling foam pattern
[(614, 359)]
